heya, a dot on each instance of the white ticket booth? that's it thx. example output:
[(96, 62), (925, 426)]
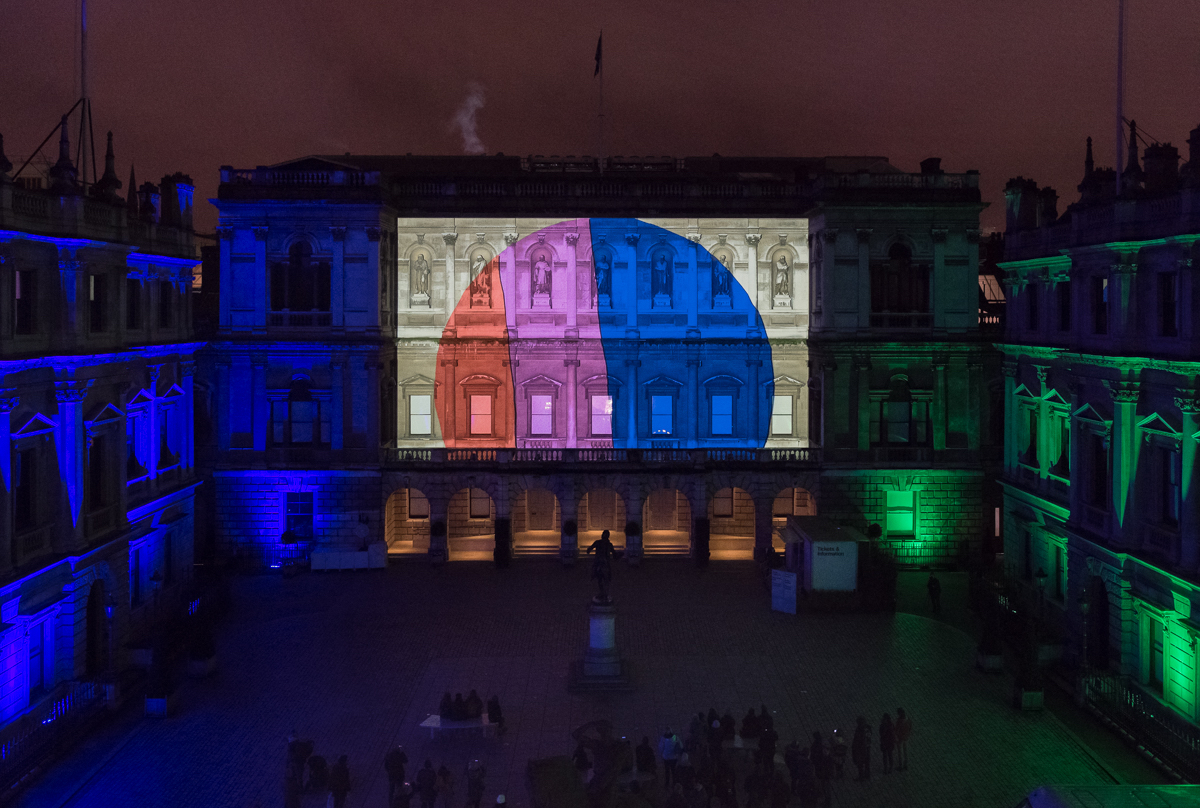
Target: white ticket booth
[(824, 554)]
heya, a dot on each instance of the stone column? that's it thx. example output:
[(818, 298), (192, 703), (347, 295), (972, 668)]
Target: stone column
[(1122, 299), (70, 443), (568, 505), (752, 240), (1124, 450), (572, 415), (633, 508), (374, 309), (8, 402), (692, 293), (572, 301), (939, 404), (764, 527), (337, 401), (864, 277), (1009, 369), (690, 408), (452, 289), (634, 393), (72, 297), (154, 438), (450, 402), (337, 279), (439, 514), (262, 405), (187, 373), (261, 286), (225, 234), (1043, 424), (752, 373), (1189, 513), (940, 280), (974, 397), (862, 375)]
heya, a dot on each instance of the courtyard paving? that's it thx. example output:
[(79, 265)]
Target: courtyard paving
[(356, 660)]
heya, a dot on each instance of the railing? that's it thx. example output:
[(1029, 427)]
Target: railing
[(30, 204), (99, 520), (273, 555), (901, 454), (903, 320), (43, 730), (1162, 541), (299, 319), (298, 178), (34, 541), (695, 457), (1174, 739)]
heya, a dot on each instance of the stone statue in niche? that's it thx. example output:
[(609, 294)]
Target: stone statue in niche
[(481, 283), (660, 281), (783, 277), (604, 280), (722, 283), (420, 280), (478, 265), (542, 281)]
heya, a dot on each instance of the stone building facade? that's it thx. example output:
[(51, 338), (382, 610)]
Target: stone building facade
[(435, 352), (96, 376), (1101, 510)]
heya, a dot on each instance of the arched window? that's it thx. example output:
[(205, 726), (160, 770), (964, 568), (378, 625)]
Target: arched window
[(899, 418), (300, 283)]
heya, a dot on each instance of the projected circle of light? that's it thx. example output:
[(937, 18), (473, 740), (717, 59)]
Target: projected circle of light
[(653, 309)]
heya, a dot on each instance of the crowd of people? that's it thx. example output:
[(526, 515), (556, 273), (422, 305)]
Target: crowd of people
[(460, 709), (705, 768)]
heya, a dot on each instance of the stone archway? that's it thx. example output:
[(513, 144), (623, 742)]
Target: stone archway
[(406, 522), (537, 523), (795, 501), (731, 524), (601, 509), (471, 525), (666, 523)]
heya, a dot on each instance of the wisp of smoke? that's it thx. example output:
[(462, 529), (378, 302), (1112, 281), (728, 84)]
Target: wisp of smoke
[(464, 119)]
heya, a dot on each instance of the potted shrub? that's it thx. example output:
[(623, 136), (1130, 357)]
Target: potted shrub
[(202, 652), (989, 655), (160, 693), (633, 543), (569, 549)]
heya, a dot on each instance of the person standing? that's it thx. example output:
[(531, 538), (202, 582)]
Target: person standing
[(935, 593), (644, 757), (767, 741), (393, 763), (837, 754), (494, 715), (668, 750), (339, 781), (583, 764), (476, 771), (860, 750), (445, 786), (904, 728), (426, 783), (887, 741)]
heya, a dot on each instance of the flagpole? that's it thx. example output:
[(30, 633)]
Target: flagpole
[(601, 66), (1120, 127)]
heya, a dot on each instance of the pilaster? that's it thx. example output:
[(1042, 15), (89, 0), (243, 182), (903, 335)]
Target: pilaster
[(864, 277), (337, 279), (261, 288), (572, 239), (262, 405), (635, 393), (1124, 454), (752, 240), (8, 402), (69, 441), (939, 404), (572, 366), (1009, 369), (940, 282), (374, 309), (862, 409), (453, 291), (225, 236), (1188, 403)]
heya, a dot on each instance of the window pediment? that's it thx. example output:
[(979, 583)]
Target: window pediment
[(143, 398), (783, 381), (1025, 392), (417, 380), (541, 380), (662, 381), (104, 415), (1156, 424), (37, 424), (1090, 414), (724, 380), (1052, 398)]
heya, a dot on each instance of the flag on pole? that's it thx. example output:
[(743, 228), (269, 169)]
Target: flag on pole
[(599, 54)]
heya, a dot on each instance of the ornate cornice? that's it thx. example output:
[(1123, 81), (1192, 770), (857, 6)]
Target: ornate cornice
[(1123, 392), (449, 238), (72, 392), (571, 238), (260, 232), (753, 238), (511, 238)]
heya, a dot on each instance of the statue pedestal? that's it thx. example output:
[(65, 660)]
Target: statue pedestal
[(419, 300), (783, 301), (601, 668), (661, 301), (541, 300), (722, 302)]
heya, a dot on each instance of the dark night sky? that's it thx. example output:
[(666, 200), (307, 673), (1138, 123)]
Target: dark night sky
[(1004, 86)]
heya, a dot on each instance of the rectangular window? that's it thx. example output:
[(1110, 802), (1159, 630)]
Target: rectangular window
[(37, 664), (1060, 573), (541, 415), (420, 415), (1029, 455), (1171, 491), (166, 304), (481, 504), (1168, 304), (300, 515), (133, 304), (1061, 431), (302, 413), (722, 415), (1097, 470), (1063, 291), (602, 408), (1099, 305), (723, 503), (1031, 294), (25, 309), (901, 512), (97, 303), (781, 415), (481, 415), (24, 484), (418, 505), (897, 417), (1156, 655), (135, 577), (662, 420)]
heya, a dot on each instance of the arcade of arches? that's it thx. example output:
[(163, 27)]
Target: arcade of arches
[(736, 520)]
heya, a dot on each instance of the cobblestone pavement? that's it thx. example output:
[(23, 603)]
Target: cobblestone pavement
[(356, 660)]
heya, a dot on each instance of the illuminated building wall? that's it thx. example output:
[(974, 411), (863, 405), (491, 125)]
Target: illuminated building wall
[(1101, 414), (525, 343), (96, 392)]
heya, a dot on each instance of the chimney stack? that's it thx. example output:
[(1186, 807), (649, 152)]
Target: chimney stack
[(1021, 202), (1162, 168), (150, 203), (63, 174)]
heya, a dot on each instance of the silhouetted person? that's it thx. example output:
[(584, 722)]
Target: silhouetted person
[(403, 798), (445, 786), (904, 728), (494, 715), (426, 784), (767, 741), (837, 754), (476, 771), (669, 749), (459, 710), (602, 566), (446, 707), (393, 763), (887, 741), (318, 774), (474, 705), (860, 749), (339, 781), (728, 727), (764, 718), (935, 593), (750, 726), (583, 763), (644, 756)]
